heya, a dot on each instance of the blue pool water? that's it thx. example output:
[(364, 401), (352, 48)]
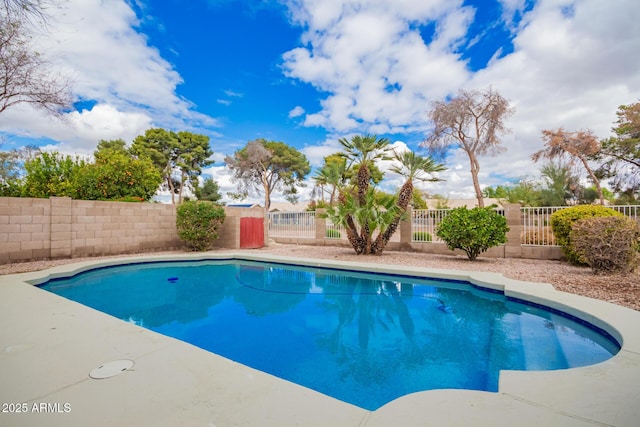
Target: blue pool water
[(361, 338)]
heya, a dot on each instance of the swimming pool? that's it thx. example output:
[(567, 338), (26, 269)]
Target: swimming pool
[(362, 338)]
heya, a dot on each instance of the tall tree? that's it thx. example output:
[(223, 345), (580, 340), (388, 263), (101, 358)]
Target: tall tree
[(472, 121), (26, 75), (620, 154), (268, 166), (194, 154), (161, 146), (576, 146)]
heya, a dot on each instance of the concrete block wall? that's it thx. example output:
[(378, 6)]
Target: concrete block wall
[(101, 228), (59, 227), (25, 229)]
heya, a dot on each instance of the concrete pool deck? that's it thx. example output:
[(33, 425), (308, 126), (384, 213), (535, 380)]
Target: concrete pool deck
[(48, 346)]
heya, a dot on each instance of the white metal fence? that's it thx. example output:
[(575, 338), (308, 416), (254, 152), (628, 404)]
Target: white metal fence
[(424, 223), (292, 224), (335, 231), (537, 223)]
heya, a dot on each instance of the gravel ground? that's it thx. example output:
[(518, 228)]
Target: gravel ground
[(617, 289)]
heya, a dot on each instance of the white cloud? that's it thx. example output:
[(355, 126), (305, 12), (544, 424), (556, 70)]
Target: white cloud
[(572, 65), (106, 122), (511, 9), (296, 112), (79, 131), (316, 153), (373, 61), (96, 43), (233, 94)]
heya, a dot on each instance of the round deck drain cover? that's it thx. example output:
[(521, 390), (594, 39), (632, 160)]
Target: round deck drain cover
[(111, 369)]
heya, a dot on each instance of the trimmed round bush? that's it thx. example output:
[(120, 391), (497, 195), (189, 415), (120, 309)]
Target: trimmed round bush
[(421, 236), (562, 222), (607, 244), (198, 223), (473, 230)]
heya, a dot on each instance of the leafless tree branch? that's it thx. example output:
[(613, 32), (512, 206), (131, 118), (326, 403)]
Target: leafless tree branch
[(473, 120), (26, 75)]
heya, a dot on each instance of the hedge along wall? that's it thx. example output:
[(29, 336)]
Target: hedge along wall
[(59, 227)]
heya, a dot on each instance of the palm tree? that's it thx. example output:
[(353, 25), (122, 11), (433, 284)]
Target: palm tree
[(362, 151), (333, 174), (414, 168)]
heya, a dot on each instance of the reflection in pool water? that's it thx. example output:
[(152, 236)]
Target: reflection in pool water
[(361, 338)]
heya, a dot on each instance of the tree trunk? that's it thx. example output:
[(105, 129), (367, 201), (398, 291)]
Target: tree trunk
[(172, 190), (267, 201), (267, 190), (595, 180), (352, 230), (352, 235), (363, 183), (475, 168), (404, 196), (182, 179), (363, 187)]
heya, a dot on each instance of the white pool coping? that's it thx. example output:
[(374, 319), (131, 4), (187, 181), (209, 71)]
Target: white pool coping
[(49, 345)]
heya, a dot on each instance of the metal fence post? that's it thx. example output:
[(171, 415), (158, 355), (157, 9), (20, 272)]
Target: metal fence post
[(321, 227), (513, 247)]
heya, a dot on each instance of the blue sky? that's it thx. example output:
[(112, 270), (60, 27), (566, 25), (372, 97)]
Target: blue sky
[(308, 72)]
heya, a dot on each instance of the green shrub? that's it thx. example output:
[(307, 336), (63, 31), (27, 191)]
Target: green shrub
[(562, 222), (332, 233), (473, 230), (421, 236), (198, 223), (607, 244)]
